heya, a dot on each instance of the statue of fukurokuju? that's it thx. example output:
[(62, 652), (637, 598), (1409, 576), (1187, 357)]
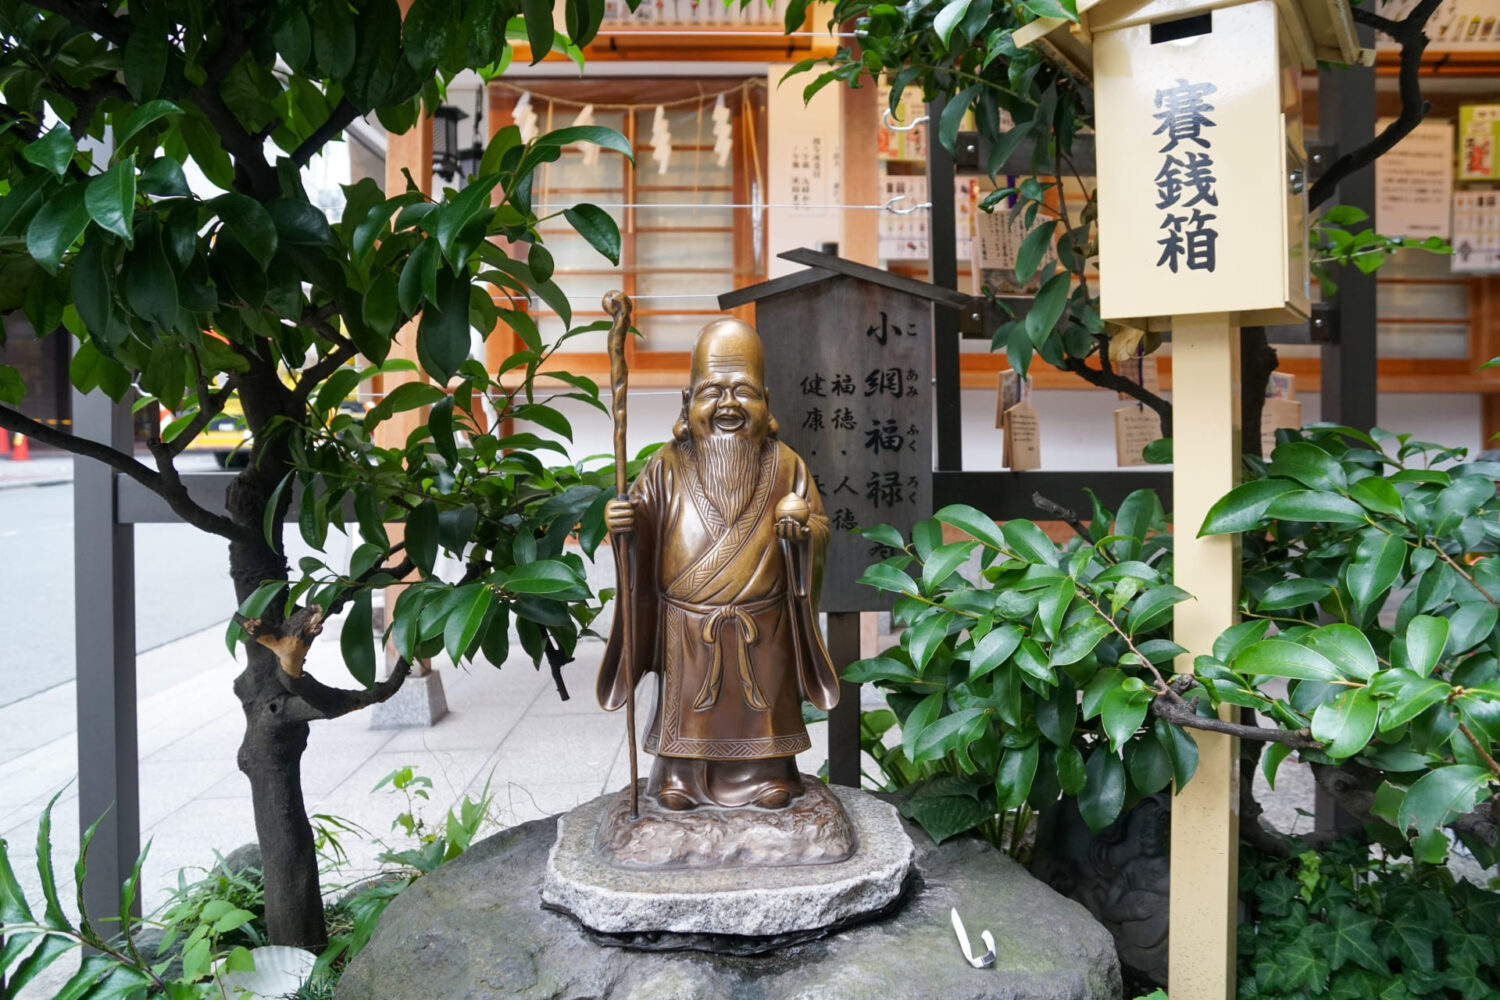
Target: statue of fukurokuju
[(728, 534)]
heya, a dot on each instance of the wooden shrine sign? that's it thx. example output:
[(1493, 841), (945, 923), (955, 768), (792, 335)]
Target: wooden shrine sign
[(849, 370)]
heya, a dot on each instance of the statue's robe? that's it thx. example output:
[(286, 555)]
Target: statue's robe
[(724, 612)]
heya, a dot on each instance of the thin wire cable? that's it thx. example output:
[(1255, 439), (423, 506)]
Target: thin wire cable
[(885, 207)]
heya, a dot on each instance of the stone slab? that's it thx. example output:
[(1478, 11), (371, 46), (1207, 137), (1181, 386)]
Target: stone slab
[(738, 901), (475, 929), (418, 703), (813, 829)]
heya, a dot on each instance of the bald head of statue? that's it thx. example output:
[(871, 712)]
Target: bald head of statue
[(727, 397)]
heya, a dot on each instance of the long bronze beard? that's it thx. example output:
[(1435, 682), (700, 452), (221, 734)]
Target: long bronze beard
[(729, 470)]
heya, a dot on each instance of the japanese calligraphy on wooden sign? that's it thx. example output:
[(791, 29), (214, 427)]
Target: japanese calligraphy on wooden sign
[(849, 369), (1200, 184)]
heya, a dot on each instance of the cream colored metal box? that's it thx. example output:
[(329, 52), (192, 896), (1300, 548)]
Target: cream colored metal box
[(1202, 202)]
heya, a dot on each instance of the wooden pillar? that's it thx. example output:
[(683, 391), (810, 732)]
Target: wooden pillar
[(410, 152), (859, 237), (1205, 815)]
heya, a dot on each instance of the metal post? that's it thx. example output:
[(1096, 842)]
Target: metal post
[(1346, 121), (104, 630), (1205, 813), (942, 249), (843, 720)]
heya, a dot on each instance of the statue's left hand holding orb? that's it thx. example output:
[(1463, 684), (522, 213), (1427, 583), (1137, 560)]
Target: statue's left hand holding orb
[(792, 514), (619, 516)]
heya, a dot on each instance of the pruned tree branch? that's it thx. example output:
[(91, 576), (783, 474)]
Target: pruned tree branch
[(1410, 34), (169, 489), (1067, 515), (338, 120), (316, 700), (1184, 712), (93, 16), (1107, 378)]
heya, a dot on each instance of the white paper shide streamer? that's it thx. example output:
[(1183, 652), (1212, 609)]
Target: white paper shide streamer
[(525, 117), (590, 150), (723, 132), (661, 140)]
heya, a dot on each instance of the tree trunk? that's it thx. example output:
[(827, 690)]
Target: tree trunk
[(271, 753), (1257, 361)]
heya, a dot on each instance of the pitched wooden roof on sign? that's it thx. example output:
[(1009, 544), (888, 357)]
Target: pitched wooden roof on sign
[(823, 266)]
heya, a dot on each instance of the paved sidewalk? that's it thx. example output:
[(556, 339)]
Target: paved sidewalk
[(40, 470), (540, 755)]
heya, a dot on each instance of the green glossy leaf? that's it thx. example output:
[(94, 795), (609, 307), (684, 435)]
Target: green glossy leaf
[(110, 198), (12, 387), (888, 578), (1056, 598), (1070, 770), (1148, 765), (1122, 713), (1056, 716), (1028, 541), (922, 715), (1153, 608), (993, 650), (977, 524), (1309, 465), (1270, 761), (947, 19), (1181, 750), (1314, 505), (443, 331), (1244, 507), (1376, 495), (56, 225), (250, 223), (923, 638), (606, 138), (1280, 658), (1079, 640), (542, 578), (422, 536), (941, 563), (1033, 248), (1292, 593), (1346, 723), (943, 735), (1103, 792), (880, 668), (1015, 775), (1408, 694), (1425, 638), (1346, 647), (143, 115), (1376, 565), (465, 620), (1470, 624), (597, 227), (53, 151), (1441, 794), (357, 640)]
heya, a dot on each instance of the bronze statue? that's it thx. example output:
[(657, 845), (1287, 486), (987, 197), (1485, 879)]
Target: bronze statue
[(726, 534)]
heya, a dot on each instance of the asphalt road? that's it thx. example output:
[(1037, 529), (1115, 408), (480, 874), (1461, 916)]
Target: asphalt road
[(181, 575)]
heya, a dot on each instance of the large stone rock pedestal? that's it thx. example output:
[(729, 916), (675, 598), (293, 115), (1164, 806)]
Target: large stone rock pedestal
[(475, 929), (870, 858)]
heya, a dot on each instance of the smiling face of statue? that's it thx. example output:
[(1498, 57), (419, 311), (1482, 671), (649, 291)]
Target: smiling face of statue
[(728, 394), (728, 412)]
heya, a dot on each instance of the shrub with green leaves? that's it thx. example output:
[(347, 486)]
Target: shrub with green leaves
[(1369, 643), (1341, 925), (1376, 569), (1034, 678)]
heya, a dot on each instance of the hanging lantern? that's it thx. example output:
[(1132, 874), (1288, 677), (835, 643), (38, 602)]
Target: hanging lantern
[(445, 162), (661, 140), (723, 132), (525, 117)]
